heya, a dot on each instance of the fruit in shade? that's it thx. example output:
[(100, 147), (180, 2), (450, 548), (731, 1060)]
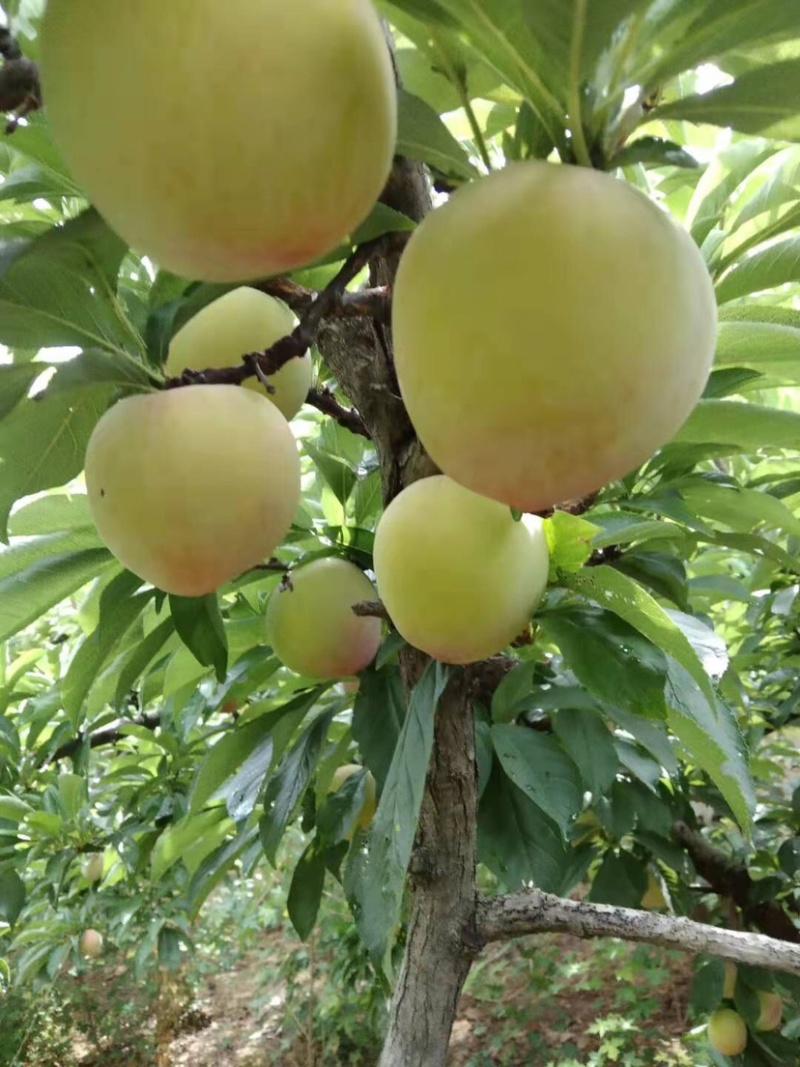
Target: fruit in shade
[(312, 627), (191, 487), (552, 329), (247, 145), (370, 804), (91, 944), (727, 1032), (92, 869), (654, 894), (242, 321), (458, 576), (729, 988), (771, 1011)]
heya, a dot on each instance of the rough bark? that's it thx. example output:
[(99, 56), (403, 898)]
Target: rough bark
[(441, 940)]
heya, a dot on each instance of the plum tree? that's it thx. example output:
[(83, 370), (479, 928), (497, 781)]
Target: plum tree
[(727, 1032), (226, 141), (458, 576), (176, 488), (370, 804), (771, 1010), (243, 320), (312, 627), (90, 944), (553, 328), (92, 869)]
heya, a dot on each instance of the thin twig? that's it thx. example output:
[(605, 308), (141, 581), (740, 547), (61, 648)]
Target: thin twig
[(327, 303), (107, 736), (371, 609), (324, 400)]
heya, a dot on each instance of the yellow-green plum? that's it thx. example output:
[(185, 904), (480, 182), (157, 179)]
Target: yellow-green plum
[(771, 1011), (312, 627), (227, 141), (653, 897), (90, 944), (727, 1032), (458, 576), (731, 974), (243, 320), (553, 328), (92, 869), (370, 804), (192, 486)]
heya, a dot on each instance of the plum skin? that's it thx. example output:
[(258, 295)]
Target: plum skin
[(553, 328), (458, 576), (191, 487), (727, 1032), (312, 627), (242, 321), (227, 141)]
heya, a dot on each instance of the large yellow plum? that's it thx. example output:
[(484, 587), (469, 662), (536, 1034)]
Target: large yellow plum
[(370, 804), (458, 576), (727, 1032), (190, 487), (243, 320), (312, 627), (225, 140), (553, 328)]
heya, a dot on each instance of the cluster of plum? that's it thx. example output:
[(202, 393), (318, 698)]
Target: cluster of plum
[(552, 326)]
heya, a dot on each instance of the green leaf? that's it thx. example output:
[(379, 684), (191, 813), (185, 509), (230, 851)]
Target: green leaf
[(620, 594), (12, 896), (722, 178), (762, 101), (708, 731), (305, 891), (740, 427), (139, 659), (245, 754), (770, 348), (540, 767), (423, 136), (609, 657), (189, 841), (59, 289), (654, 151), (338, 475), (289, 783), (42, 571), (768, 269), (119, 609), (378, 715), (589, 744), (377, 882), (198, 623), (514, 693), (518, 842), (569, 539), (621, 880), (15, 381)]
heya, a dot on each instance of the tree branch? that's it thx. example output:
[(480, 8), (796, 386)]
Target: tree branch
[(109, 735), (375, 304), (20, 89), (324, 400), (327, 303), (533, 912), (733, 880), (372, 609)]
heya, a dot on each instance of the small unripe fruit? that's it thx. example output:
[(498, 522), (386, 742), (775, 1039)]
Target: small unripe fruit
[(92, 869), (654, 894), (552, 329), (225, 140), (458, 576), (90, 944), (370, 805), (191, 487), (242, 321), (312, 627), (771, 1011), (727, 1032)]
